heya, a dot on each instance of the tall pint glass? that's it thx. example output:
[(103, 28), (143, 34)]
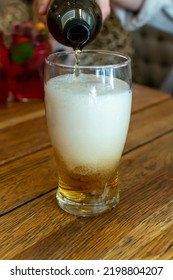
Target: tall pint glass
[(88, 110)]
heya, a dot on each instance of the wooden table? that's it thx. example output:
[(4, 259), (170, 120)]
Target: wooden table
[(32, 226)]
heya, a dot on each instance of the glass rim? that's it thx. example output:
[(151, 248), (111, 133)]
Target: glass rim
[(126, 62)]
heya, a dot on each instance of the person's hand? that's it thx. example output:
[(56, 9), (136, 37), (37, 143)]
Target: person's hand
[(131, 5), (42, 6), (104, 5)]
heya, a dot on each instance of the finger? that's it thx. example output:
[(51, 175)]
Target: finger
[(42, 6), (105, 7)]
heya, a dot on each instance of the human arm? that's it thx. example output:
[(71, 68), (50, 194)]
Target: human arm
[(42, 6), (104, 5), (134, 13), (156, 13), (131, 5)]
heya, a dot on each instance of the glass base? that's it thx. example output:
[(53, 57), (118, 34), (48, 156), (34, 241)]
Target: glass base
[(86, 209)]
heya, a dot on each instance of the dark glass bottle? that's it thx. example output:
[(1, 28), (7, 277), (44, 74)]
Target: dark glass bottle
[(74, 23)]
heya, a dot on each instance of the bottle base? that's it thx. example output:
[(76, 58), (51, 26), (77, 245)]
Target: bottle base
[(86, 209)]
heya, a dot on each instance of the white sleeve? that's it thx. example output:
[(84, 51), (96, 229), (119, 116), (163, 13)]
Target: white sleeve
[(158, 13)]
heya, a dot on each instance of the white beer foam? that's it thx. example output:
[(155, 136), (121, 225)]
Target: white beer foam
[(88, 119)]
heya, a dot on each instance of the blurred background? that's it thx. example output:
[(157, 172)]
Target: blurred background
[(25, 42)]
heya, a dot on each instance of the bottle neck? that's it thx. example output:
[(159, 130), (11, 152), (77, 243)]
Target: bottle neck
[(77, 33), (74, 23)]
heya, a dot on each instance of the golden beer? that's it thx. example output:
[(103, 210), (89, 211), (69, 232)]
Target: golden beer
[(88, 118)]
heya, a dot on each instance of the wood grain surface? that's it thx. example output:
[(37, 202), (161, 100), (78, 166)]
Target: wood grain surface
[(32, 226)]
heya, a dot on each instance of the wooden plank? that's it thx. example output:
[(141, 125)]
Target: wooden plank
[(21, 119), (23, 139), (43, 231), (27, 178), (161, 247), (143, 234), (144, 96), (28, 141), (30, 136), (18, 112), (149, 124)]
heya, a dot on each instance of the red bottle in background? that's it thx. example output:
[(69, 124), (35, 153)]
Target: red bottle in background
[(21, 51), (28, 51), (42, 48), (4, 70)]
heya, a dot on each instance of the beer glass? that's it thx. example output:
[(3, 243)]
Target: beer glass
[(88, 107)]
